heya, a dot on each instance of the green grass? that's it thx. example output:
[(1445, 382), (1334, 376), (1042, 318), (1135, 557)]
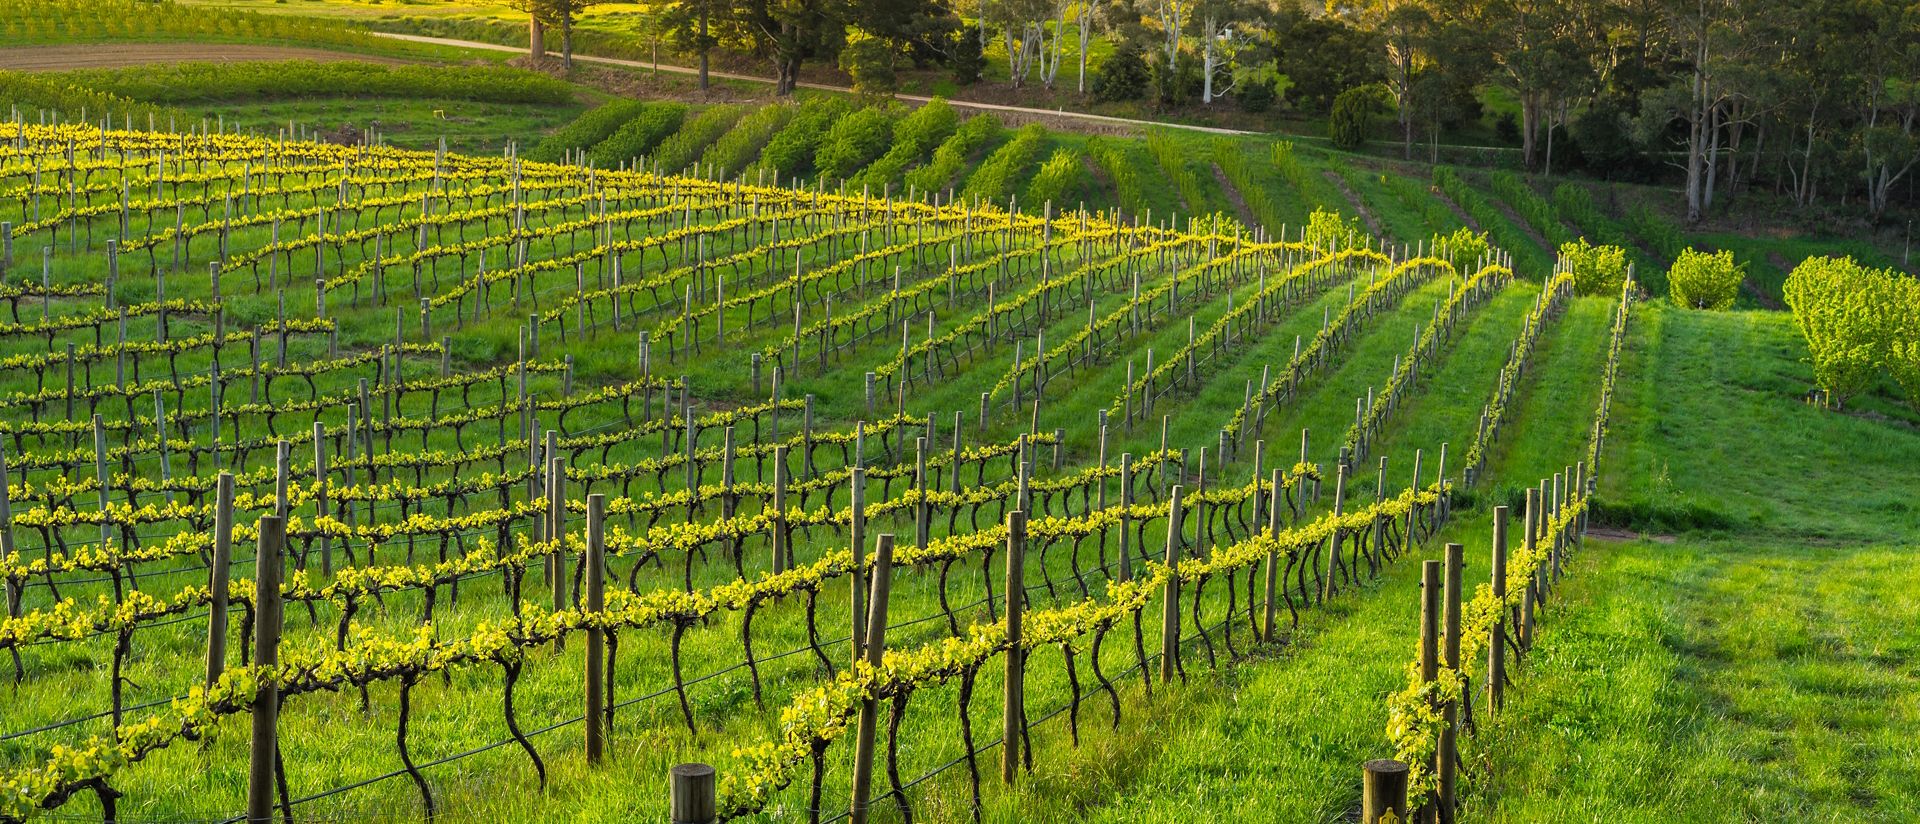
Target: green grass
[(1775, 674)]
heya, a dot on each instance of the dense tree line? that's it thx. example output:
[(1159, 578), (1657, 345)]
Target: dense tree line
[(1816, 99)]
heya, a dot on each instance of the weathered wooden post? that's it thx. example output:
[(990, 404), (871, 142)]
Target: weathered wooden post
[(320, 495), (876, 647), (1170, 609), (596, 596), (1524, 626), (557, 533), (1013, 719), (856, 536), (1447, 755), (1333, 541), (692, 800), (1125, 570), (922, 513), (780, 551), (266, 655), (1383, 792), (1273, 554), (218, 577), (1496, 639), (1430, 576)]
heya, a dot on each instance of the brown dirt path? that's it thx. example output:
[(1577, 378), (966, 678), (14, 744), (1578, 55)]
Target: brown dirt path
[(114, 55)]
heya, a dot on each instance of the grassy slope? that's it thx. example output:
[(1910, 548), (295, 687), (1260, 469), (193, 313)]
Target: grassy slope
[(1772, 658)]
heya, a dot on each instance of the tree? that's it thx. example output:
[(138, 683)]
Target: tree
[(1122, 76), (1323, 57), (1224, 31), (543, 13), (689, 27), (1889, 61), (786, 33), (1351, 122), (869, 60)]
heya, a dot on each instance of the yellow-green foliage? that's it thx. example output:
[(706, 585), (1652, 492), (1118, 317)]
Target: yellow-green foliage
[(1857, 321), (1463, 248), (1055, 178), (1599, 270), (1329, 230), (1704, 280)]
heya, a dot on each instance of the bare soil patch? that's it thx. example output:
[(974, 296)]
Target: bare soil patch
[(114, 55)]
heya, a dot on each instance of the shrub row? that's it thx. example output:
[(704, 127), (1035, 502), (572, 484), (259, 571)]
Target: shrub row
[(638, 137), (587, 130), (740, 146), (790, 152), (684, 148), (914, 138), (1056, 178), (999, 175), (951, 158)]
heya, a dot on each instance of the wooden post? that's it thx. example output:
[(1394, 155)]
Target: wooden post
[(266, 654), (876, 647), (692, 800), (1013, 718), (1383, 791), (856, 536), (596, 637), (1170, 609), (780, 509), (1333, 541), (557, 532), (922, 514), (1126, 517), (1524, 628), (1496, 650), (320, 494), (13, 593), (1273, 555), (1450, 650), (217, 582)]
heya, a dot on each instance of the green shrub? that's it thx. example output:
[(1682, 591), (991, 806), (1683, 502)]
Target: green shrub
[(1850, 315), (638, 137), (853, 142), (1857, 322), (1463, 248), (591, 127), (1331, 231), (683, 149), (999, 175), (1055, 179), (1122, 76), (790, 152), (1350, 123), (1903, 344), (1705, 280), (741, 145), (1597, 270)]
